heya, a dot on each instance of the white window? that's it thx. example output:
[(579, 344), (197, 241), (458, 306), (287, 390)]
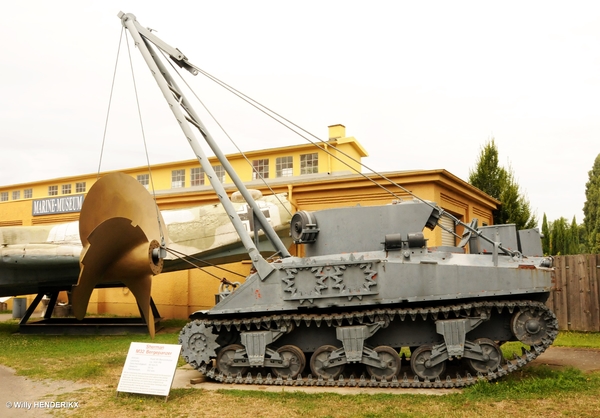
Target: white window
[(144, 179), (220, 172), (260, 169), (309, 163), (284, 166), (177, 179), (448, 239), (197, 176)]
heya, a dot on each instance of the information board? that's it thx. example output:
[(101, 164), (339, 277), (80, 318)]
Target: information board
[(149, 368)]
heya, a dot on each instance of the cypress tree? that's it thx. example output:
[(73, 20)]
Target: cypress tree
[(546, 236), (491, 178), (591, 208)]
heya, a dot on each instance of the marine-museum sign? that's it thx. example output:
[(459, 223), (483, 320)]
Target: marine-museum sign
[(54, 205)]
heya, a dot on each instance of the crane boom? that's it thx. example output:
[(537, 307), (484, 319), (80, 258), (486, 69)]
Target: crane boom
[(187, 117)]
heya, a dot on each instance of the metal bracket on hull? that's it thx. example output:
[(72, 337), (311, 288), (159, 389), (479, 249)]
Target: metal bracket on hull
[(256, 343), (455, 331), (455, 344), (354, 350), (353, 339)]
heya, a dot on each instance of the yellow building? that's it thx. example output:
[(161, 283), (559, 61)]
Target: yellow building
[(312, 177)]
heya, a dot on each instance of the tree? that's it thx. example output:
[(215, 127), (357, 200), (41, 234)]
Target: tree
[(500, 183), (545, 236), (574, 238), (591, 208), (488, 175), (564, 239)]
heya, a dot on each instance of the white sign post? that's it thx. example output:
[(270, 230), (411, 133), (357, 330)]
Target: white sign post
[(149, 369)]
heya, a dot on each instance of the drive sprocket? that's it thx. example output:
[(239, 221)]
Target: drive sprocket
[(198, 343)]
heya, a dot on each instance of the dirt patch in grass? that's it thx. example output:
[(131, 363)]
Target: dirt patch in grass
[(584, 359)]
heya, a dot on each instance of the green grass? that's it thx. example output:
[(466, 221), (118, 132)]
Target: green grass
[(98, 360), (69, 356), (535, 382), (578, 339)]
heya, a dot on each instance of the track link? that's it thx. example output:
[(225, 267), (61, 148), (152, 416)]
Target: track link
[(204, 364)]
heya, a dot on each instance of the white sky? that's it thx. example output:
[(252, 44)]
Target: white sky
[(422, 85)]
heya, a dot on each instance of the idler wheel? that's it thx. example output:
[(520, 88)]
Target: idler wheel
[(492, 357), (225, 361), (420, 365), (528, 327), (320, 366), (295, 360), (392, 361)]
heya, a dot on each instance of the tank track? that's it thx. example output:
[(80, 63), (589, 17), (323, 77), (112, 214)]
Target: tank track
[(408, 380)]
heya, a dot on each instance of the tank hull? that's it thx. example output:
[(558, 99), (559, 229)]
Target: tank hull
[(349, 316)]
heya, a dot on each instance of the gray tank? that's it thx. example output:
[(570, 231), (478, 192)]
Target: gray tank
[(366, 289), (369, 287)]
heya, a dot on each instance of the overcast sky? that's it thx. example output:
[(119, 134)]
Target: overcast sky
[(422, 85)]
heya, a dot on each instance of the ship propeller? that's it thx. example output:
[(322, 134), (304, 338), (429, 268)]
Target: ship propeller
[(120, 230)]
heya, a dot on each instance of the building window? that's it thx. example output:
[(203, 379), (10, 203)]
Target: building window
[(144, 179), (80, 187), (448, 231), (284, 166), (177, 179), (220, 172), (27, 193), (197, 176), (66, 189), (4, 197), (16, 195), (309, 163), (52, 190), (260, 169)]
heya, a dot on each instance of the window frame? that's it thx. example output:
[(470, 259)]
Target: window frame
[(282, 165), (178, 179), (197, 176), (309, 163), (220, 172), (260, 169), (143, 179)]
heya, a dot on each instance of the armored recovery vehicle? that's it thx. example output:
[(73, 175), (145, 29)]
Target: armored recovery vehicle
[(366, 288)]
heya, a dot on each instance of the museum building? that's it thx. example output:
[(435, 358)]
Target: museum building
[(312, 178)]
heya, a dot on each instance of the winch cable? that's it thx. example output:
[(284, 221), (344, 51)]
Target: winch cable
[(139, 111), (112, 89), (184, 257), (258, 174), (291, 125), (108, 111)]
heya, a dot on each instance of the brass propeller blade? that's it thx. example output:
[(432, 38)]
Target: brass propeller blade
[(119, 230)]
